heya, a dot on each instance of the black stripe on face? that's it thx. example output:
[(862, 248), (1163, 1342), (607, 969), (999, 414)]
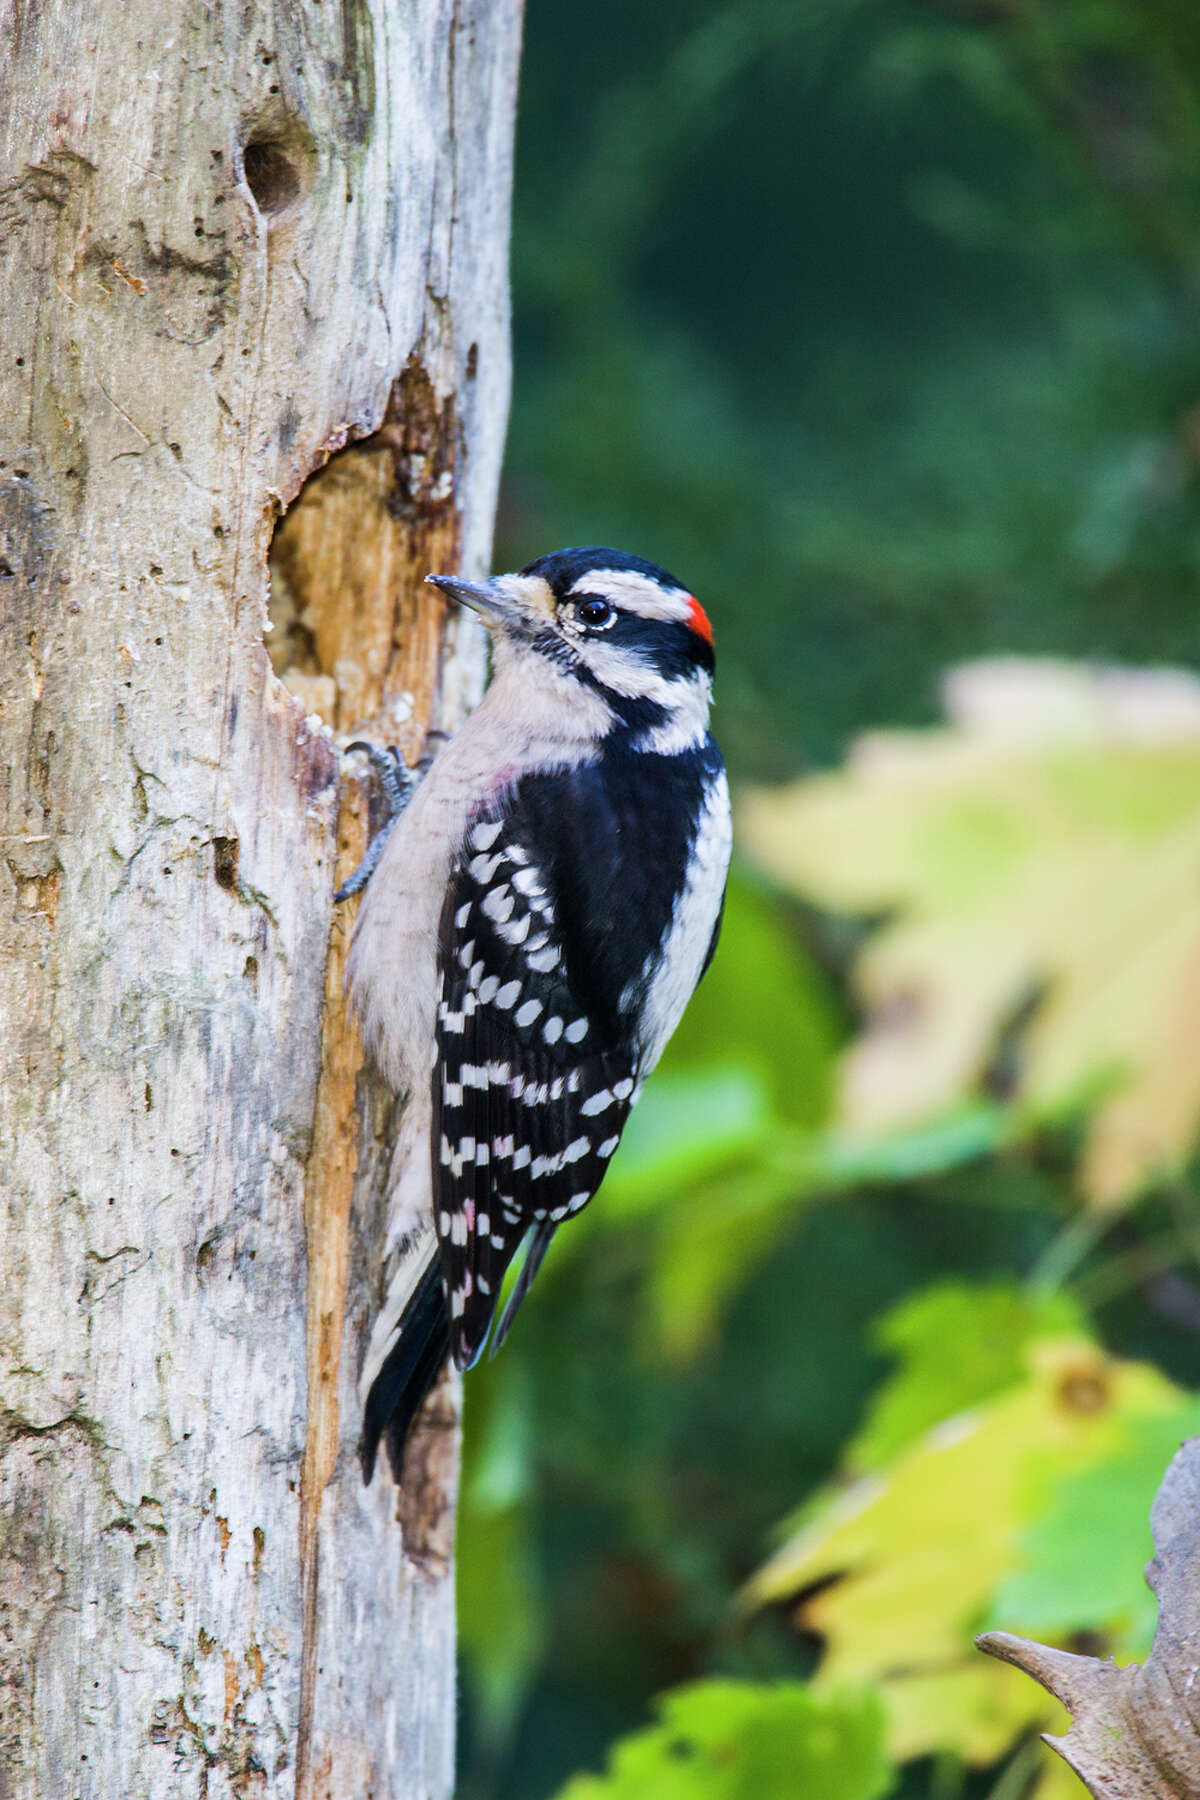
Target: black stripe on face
[(671, 648), (671, 645), (662, 648)]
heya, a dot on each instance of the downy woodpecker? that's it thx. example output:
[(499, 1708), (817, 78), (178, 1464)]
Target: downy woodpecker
[(533, 927)]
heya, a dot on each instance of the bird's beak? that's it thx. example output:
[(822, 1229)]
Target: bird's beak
[(495, 604)]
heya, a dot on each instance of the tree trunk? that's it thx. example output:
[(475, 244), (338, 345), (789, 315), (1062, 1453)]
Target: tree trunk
[(232, 241)]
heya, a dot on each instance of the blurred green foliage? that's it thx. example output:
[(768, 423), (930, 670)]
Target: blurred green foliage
[(990, 1327), (726, 1740), (877, 322)]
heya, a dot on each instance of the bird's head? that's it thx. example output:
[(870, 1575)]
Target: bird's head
[(618, 626)]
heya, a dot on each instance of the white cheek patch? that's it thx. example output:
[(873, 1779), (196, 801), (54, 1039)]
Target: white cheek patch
[(638, 593), (686, 698)]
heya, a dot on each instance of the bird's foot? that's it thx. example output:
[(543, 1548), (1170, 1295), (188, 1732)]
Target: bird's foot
[(397, 783)]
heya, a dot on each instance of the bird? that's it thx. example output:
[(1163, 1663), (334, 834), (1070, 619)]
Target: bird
[(535, 916)]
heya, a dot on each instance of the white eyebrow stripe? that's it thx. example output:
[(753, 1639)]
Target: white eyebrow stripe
[(638, 592)]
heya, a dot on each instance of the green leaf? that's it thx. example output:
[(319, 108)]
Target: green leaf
[(1082, 1559), (991, 1329), (684, 1126), (731, 1740), (898, 1571)]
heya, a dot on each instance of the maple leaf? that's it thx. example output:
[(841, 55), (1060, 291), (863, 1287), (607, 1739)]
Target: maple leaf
[(1035, 864)]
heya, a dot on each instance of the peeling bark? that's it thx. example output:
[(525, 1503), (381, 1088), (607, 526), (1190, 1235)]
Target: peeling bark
[(1135, 1731), (251, 258)]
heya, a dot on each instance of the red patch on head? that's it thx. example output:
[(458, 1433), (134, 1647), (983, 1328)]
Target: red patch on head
[(698, 619)]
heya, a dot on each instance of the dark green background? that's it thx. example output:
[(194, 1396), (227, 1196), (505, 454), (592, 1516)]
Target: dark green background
[(877, 324)]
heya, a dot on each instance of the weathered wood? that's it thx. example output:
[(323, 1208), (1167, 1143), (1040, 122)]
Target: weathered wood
[(242, 249)]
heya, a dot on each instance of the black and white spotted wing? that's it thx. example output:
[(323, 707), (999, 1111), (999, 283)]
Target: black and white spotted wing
[(531, 1089)]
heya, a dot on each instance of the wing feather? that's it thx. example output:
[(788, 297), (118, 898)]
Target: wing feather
[(529, 1097)]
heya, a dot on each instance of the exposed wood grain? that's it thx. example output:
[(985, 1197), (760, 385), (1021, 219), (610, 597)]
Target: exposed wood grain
[(354, 631), (242, 248), (329, 1191)]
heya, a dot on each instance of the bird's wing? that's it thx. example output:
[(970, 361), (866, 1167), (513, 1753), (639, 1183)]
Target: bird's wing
[(530, 1089)]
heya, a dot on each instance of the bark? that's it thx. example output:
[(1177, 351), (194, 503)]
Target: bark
[(238, 244), (1135, 1731)]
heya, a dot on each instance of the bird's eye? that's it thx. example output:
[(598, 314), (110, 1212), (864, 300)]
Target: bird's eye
[(595, 612)]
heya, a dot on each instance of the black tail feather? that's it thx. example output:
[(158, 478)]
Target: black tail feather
[(537, 1247), (408, 1372)]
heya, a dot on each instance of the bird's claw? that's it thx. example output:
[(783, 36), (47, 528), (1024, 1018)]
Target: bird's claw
[(397, 783)]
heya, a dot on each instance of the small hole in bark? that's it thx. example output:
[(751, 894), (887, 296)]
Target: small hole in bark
[(5, 569), (271, 175), (225, 862)]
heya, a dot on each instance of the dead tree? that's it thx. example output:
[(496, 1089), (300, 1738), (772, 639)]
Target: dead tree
[(252, 259)]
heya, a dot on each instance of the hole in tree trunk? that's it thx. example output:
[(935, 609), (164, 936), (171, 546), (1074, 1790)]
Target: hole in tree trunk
[(278, 159), (354, 633), (271, 176), (225, 862)]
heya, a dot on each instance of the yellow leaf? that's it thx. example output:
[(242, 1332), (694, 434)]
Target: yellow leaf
[(1057, 1780), (896, 1571), (1058, 856), (965, 1711)]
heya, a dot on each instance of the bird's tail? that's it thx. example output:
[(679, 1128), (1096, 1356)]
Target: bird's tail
[(409, 1335), (408, 1371)]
